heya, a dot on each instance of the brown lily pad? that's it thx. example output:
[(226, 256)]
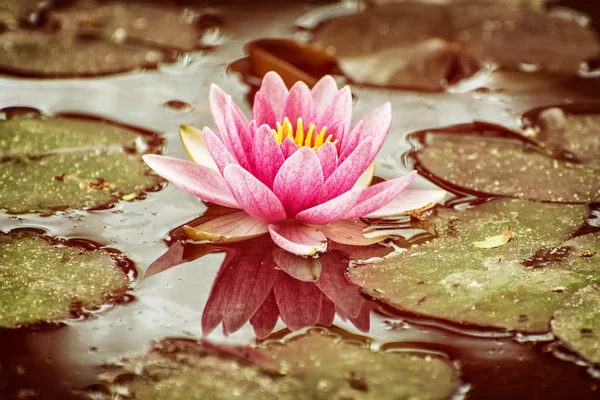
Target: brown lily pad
[(51, 164), (163, 26), (92, 38), (516, 286), (13, 11), (43, 280), (43, 54), (427, 45), (314, 365), (489, 160), (572, 130)]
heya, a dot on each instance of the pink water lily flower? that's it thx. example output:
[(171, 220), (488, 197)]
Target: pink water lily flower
[(298, 170)]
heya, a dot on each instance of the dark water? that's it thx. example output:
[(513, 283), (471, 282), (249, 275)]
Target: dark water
[(50, 362)]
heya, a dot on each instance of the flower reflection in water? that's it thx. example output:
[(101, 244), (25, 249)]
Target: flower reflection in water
[(259, 283)]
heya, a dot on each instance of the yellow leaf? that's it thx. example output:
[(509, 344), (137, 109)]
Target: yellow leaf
[(495, 241)]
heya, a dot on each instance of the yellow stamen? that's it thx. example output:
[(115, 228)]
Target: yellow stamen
[(299, 132), (288, 127), (285, 130), (309, 135), (319, 140), (279, 133)]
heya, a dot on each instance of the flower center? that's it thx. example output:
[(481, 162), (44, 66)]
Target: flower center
[(309, 138)]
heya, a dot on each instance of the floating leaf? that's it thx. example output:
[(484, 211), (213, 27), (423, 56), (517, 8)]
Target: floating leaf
[(58, 164), (572, 130), (490, 160), (292, 60), (43, 54), (495, 241), (13, 11), (577, 321), (97, 38), (312, 366), (427, 45), (150, 25), (512, 287), (44, 281)]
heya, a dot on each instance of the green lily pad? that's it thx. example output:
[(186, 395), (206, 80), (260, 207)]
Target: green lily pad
[(516, 286), (490, 160), (311, 366), (576, 322), (44, 281), (57, 164)]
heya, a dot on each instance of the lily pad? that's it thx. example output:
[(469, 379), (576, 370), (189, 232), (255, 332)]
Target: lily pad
[(151, 25), (516, 286), (489, 160), (426, 45), (572, 130), (312, 366), (12, 11), (59, 163), (524, 34), (48, 281), (576, 322), (47, 54)]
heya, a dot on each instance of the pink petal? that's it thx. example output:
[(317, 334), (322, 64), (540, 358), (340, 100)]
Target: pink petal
[(306, 269), (220, 155), (351, 141), (323, 93), (340, 109), (193, 141), (327, 154), (198, 180), (299, 104), (262, 112), (266, 317), (410, 200), (298, 239), (237, 135), (250, 285), (337, 132), (334, 285), (276, 92), (228, 228), (327, 313), (299, 181), (252, 195), (217, 100), (377, 196), (288, 147), (299, 302), (267, 154), (376, 125), (349, 232), (332, 210), (348, 172)]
